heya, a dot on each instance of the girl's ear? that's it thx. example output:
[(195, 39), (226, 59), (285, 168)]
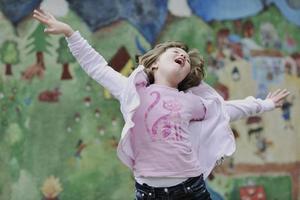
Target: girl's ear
[(154, 66)]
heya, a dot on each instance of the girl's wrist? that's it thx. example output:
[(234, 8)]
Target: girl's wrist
[(69, 32)]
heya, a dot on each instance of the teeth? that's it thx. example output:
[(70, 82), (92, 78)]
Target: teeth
[(179, 61)]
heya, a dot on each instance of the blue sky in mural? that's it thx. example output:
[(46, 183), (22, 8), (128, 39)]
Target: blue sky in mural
[(234, 9), (96, 13), (16, 10), (225, 9), (147, 16)]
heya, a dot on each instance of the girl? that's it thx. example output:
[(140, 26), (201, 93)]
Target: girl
[(176, 126)]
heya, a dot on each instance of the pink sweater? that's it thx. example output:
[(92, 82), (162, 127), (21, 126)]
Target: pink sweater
[(161, 136), (214, 131)]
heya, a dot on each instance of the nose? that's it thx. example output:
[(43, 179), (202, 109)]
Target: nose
[(182, 55)]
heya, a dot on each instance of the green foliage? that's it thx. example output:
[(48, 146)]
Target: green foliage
[(211, 79), (282, 25), (123, 34), (10, 53), (192, 31), (25, 188), (13, 134), (39, 40)]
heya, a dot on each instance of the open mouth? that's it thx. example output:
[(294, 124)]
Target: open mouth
[(180, 61)]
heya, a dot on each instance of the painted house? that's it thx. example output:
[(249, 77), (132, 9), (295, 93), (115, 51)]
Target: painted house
[(122, 63), (255, 192), (268, 66)]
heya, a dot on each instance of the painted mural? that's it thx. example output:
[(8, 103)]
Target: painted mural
[(59, 129)]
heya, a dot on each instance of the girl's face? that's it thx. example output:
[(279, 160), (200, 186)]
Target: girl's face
[(172, 66)]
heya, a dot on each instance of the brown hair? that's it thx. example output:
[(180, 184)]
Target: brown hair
[(196, 74)]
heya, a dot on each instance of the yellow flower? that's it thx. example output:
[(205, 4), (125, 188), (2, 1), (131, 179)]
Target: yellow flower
[(51, 187)]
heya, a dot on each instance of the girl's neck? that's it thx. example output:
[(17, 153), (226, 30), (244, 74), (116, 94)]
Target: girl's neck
[(165, 83), (164, 86)]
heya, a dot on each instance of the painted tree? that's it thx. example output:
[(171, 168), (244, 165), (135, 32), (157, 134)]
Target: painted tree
[(64, 57), (9, 55), (38, 45)]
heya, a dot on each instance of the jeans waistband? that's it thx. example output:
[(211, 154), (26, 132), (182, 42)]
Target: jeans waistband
[(158, 190)]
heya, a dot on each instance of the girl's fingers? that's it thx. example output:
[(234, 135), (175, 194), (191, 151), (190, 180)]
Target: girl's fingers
[(278, 96), (41, 19), (283, 96), (42, 11), (279, 92), (42, 15), (284, 92), (36, 11), (39, 13), (46, 13), (276, 92)]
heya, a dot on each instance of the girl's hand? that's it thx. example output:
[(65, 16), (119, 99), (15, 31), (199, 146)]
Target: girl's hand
[(53, 26), (278, 97)]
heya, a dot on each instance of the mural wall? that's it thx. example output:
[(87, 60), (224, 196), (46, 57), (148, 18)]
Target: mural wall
[(60, 129)]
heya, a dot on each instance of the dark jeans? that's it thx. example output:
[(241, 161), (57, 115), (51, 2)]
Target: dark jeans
[(192, 189)]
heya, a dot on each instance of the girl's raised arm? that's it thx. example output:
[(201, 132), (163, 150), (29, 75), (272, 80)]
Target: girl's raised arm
[(238, 109), (91, 61)]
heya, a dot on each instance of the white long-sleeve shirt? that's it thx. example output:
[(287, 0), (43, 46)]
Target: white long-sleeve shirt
[(211, 138)]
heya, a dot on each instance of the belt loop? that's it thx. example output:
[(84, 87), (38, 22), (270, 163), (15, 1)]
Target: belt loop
[(152, 194), (187, 189)]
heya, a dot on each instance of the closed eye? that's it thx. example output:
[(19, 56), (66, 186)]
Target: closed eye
[(188, 60)]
